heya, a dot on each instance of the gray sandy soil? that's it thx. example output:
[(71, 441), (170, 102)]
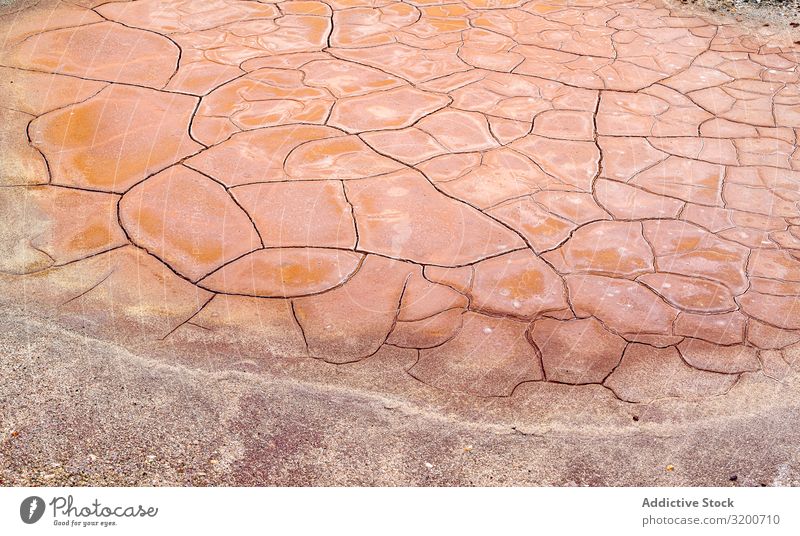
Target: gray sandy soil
[(78, 411), (766, 15)]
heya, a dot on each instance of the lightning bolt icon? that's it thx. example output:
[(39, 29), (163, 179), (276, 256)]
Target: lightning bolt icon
[(34, 504)]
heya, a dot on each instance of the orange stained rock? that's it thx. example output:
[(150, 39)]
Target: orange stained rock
[(769, 337), (520, 98), (709, 356), (305, 7), (625, 157), (503, 174), (576, 351), (427, 332), (774, 264), (365, 25), (257, 156), (345, 79), (507, 130), (295, 33), (693, 181), (543, 230), (102, 144), (724, 328), (402, 215), (449, 166), (263, 325), (608, 248), (624, 306), (354, 320), (646, 374), (77, 223), (690, 294), (423, 298), (715, 219), (410, 145), (655, 112), (391, 109), (761, 200), (776, 288), (565, 124), (594, 193), (30, 23), (459, 279), (284, 272), (459, 131), (188, 221), (263, 98), (313, 213), (690, 250), (184, 16), (103, 51), (715, 150), (37, 93), (345, 157), (517, 284), (575, 164), (201, 76), (782, 311), (407, 62), (489, 357), (629, 203), (127, 295), (22, 164), (577, 207)]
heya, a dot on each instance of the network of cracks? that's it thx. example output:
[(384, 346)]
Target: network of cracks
[(595, 192)]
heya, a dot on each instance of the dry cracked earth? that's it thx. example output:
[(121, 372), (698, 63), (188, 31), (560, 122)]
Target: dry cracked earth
[(379, 242)]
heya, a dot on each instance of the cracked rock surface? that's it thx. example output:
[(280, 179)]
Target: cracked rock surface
[(597, 197)]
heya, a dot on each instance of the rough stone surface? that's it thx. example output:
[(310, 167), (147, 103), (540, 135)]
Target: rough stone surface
[(459, 206), (576, 351), (495, 367), (676, 378), (103, 144)]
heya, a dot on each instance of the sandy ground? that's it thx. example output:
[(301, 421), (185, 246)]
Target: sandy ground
[(77, 411), (783, 14)]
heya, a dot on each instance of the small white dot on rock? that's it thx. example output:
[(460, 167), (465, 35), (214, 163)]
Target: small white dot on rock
[(487, 330)]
